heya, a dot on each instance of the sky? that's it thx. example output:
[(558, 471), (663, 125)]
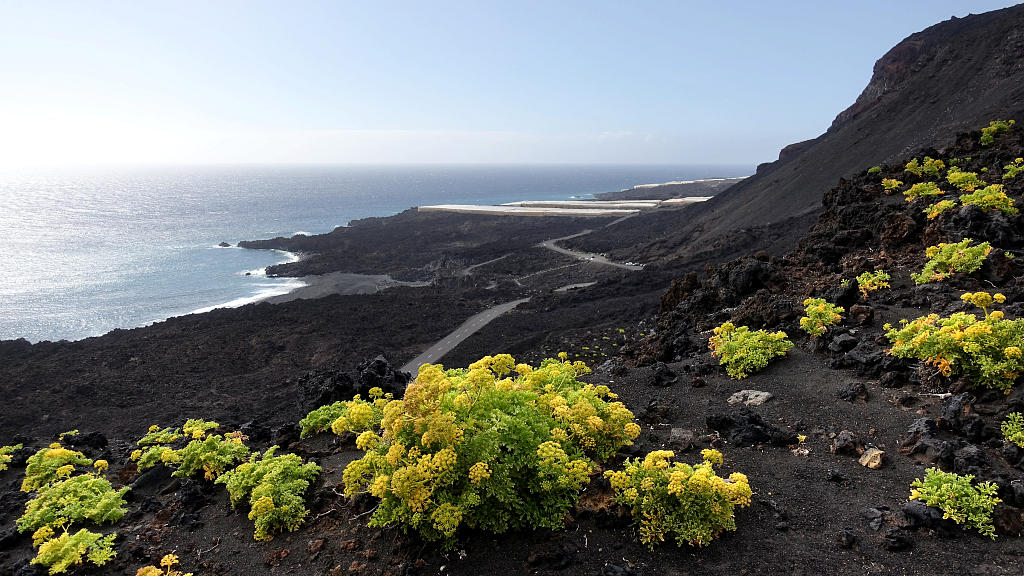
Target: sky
[(475, 81)]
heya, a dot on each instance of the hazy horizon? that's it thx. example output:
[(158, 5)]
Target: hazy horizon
[(345, 83)]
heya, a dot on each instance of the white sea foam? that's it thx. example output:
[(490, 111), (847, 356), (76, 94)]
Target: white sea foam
[(265, 291)]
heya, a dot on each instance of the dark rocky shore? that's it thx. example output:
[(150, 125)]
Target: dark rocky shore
[(815, 510)]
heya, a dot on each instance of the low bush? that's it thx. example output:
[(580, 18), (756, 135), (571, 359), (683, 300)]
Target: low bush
[(671, 498), (964, 181), (83, 498), (5, 455), (891, 184), (168, 562), (875, 170), (743, 351), (958, 499), (947, 259), (930, 167), (273, 487), (868, 282), (986, 351), (1013, 168), (994, 128), (69, 550), (498, 446), (992, 197), (922, 189), (819, 316), (935, 210), (213, 455), (1013, 428), (49, 464)]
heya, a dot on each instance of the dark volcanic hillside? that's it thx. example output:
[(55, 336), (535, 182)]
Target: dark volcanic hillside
[(954, 76)]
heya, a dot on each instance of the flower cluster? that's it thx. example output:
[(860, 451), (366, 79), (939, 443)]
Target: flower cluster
[(167, 562), (922, 189), (930, 167), (819, 316), (964, 181), (935, 210), (986, 351), (691, 502), (211, 454), (946, 259), (991, 197), (743, 351), (958, 499), (868, 282), (891, 184), (496, 446)]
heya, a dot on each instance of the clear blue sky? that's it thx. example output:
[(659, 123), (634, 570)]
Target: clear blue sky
[(465, 81)]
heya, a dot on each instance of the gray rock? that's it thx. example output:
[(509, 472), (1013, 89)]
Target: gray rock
[(681, 439), (750, 397)]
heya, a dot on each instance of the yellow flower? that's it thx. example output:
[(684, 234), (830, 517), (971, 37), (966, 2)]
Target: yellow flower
[(478, 472), (711, 455), (101, 465), (169, 560), (154, 428)]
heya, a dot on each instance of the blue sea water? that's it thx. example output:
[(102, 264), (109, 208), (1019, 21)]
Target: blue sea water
[(88, 251)]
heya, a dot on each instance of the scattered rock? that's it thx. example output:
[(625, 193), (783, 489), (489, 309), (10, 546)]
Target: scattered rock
[(746, 428), (750, 397), (853, 391), (843, 342), (616, 570), (224, 245), (847, 539), (897, 539), (861, 315), (833, 475), (663, 376), (954, 409), (846, 442), (872, 458), (875, 516), (681, 439)]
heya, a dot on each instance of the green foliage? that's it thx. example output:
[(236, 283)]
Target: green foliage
[(994, 128), (819, 316), (868, 282), (158, 436), (891, 184), (273, 486), (1013, 168), (992, 197), (197, 428), (930, 167), (320, 420), (5, 455), (214, 455), (933, 211), (743, 352), (496, 447), (922, 189), (153, 455), (1013, 428), (68, 550), (964, 181), (50, 464), (986, 351), (168, 562), (667, 498), (958, 499), (86, 497), (875, 170), (947, 259)]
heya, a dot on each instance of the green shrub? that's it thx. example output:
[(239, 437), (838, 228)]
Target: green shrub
[(744, 352), (992, 197), (819, 316), (50, 464), (320, 420), (868, 282), (1013, 428), (1013, 168), (197, 428), (933, 211), (5, 455), (994, 128), (964, 181), (986, 351), (273, 487), (930, 167), (168, 562), (86, 497), (922, 189), (158, 436), (875, 170), (212, 455), (691, 502), (947, 259), (496, 447), (891, 184), (958, 499), (68, 550)]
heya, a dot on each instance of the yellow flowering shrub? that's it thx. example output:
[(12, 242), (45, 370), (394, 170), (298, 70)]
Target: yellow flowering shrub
[(991, 197), (986, 351), (868, 282), (819, 316), (167, 562), (958, 499), (994, 128), (922, 189), (672, 498), (50, 464), (496, 446), (1013, 427), (1013, 168), (213, 454), (930, 167), (964, 181), (933, 211), (743, 351), (948, 259), (891, 184)]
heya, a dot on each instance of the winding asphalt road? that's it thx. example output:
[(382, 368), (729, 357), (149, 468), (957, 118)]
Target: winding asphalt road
[(471, 325), (596, 258)]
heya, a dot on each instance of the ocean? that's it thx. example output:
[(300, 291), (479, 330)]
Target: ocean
[(90, 250)]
